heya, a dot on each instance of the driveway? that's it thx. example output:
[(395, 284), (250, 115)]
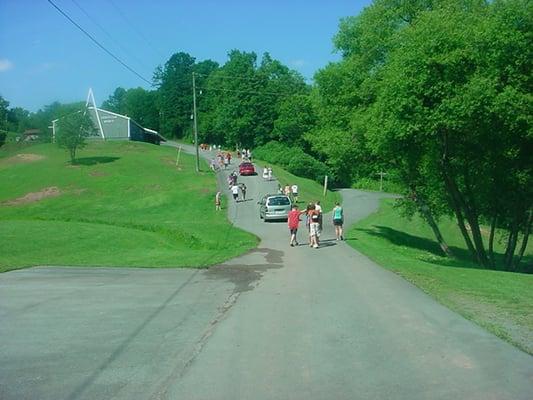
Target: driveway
[(277, 323)]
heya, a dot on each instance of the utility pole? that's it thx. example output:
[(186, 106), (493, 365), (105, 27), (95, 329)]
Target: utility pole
[(381, 173), (195, 126)]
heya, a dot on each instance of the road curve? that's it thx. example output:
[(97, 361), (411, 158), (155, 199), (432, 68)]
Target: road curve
[(331, 324), (276, 323)]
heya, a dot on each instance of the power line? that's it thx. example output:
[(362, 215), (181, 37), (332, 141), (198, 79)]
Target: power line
[(247, 91), (106, 32), (237, 77), (98, 43), (132, 27)]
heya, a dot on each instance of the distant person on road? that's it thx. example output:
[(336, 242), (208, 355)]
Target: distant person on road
[(226, 162), (235, 192), (265, 173), (318, 207), (218, 198), (269, 172), (243, 191), (338, 221), (293, 220), (294, 189), (314, 230)]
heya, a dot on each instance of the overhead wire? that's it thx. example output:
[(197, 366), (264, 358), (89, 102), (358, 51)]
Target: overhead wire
[(116, 58), (246, 91), (106, 32), (134, 29)]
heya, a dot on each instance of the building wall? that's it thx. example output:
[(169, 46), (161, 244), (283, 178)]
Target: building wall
[(114, 126)]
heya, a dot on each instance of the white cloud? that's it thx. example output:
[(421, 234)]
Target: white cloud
[(298, 63), (5, 64)]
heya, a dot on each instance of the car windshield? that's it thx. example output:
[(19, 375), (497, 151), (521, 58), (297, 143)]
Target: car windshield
[(246, 165), (279, 201)]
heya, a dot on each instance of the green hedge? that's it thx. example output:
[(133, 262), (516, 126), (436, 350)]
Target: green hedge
[(293, 159)]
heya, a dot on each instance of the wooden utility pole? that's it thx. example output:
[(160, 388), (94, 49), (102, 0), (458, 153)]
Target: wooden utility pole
[(195, 125), (381, 180)]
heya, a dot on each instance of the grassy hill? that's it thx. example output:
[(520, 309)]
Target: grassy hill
[(123, 204), (497, 300)]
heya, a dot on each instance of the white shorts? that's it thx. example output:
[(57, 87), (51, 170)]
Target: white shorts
[(314, 229)]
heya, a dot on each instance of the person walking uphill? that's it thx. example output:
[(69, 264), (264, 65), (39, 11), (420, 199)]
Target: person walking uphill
[(235, 191), (293, 220), (314, 230), (338, 220)]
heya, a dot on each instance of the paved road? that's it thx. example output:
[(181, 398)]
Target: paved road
[(276, 323)]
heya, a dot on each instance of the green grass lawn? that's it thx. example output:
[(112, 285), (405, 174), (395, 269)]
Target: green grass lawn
[(308, 189), (502, 302), (123, 204)]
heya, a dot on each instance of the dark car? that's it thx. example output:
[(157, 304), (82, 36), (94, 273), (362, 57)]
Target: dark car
[(274, 206), (246, 168)]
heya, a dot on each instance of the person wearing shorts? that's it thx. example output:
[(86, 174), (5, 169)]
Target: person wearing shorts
[(293, 220), (338, 220), (314, 230), (235, 191), (294, 189)]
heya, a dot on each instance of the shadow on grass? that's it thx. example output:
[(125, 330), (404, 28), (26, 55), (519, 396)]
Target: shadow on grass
[(434, 253), (95, 160)]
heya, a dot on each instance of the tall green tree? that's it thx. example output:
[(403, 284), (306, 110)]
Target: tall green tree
[(174, 84), (72, 130), (440, 112)]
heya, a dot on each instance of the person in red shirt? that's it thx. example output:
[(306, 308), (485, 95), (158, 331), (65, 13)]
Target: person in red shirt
[(293, 220)]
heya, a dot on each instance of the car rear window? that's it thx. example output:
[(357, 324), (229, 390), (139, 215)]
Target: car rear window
[(279, 201), (246, 165)]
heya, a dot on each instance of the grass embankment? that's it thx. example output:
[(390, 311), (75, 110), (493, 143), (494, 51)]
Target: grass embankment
[(308, 189), (497, 300), (123, 204)]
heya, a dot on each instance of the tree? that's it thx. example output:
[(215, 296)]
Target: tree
[(138, 103), (173, 82), (72, 131), (296, 117), (452, 106), (243, 99), (4, 104), (115, 102)]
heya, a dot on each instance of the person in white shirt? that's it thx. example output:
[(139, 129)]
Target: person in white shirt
[(235, 191), (294, 189)]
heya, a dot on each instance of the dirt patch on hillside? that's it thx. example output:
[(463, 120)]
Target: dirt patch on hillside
[(98, 173), (23, 158), (32, 197)]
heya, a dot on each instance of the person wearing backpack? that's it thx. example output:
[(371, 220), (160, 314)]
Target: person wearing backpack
[(338, 220)]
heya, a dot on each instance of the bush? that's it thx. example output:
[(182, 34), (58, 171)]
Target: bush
[(293, 159)]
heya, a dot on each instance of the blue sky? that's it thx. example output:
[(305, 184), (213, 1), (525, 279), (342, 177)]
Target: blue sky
[(44, 58)]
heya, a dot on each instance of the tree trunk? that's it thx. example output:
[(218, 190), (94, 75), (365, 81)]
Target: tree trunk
[(469, 205), (478, 239), (459, 215), (428, 216), (527, 229), (491, 241), (511, 245)]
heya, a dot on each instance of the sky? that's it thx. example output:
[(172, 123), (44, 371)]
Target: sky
[(45, 58)]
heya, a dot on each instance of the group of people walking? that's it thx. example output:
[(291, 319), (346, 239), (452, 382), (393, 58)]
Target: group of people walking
[(290, 191), (313, 223)]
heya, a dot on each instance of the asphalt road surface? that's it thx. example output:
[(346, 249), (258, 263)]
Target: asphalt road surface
[(277, 323)]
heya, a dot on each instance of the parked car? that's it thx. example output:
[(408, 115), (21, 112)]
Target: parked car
[(246, 168), (274, 206)]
